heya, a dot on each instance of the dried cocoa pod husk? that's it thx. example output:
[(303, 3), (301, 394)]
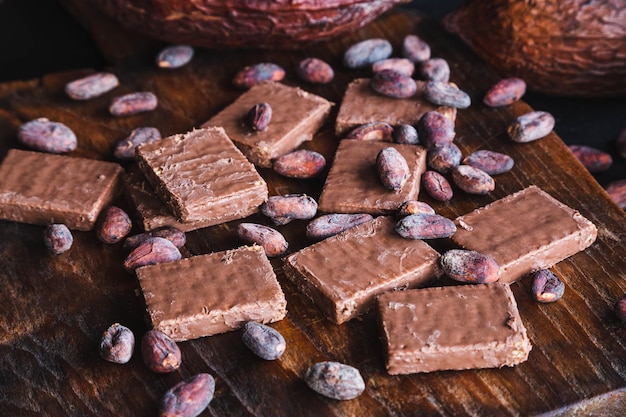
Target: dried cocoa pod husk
[(559, 47)]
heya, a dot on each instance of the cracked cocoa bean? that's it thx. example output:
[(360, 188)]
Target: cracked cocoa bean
[(255, 74), (620, 309), (113, 225), (177, 237), (315, 71), (174, 56), (435, 69), (91, 86), (152, 251), (159, 352), (617, 192), (47, 136), (392, 168), (133, 103), (335, 380), (437, 186), (547, 287), (300, 164), (365, 53), (405, 134), (435, 129), (329, 225), (259, 116), (283, 209), (473, 180), (414, 207), (415, 49), (446, 94), (505, 92), (117, 344), (491, 162), (394, 84), (271, 240), (531, 126), (593, 159), (57, 238), (470, 266), (378, 131), (125, 149), (264, 341), (188, 398), (444, 158), (425, 226), (403, 66)]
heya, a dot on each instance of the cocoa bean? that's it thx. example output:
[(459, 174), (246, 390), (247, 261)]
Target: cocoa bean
[(435, 129), (531, 126), (271, 240), (133, 103), (425, 226), (380, 131), (593, 159), (444, 158), (365, 53), (57, 238), (284, 209), (335, 380), (177, 237), (392, 168), (160, 353), (117, 344), (547, 287), (435, 69), (621, 143), (255, 74), (47, 136), (391, 83), (505, 92), (91, 86), (491, 162), (473, 180), (315, 71), (415, 49), (437, 186), (125, 149), (329, 225), (300, 164), (446, 94), (414, 207), (174, 56), (154, 250), (400, 65), (617, 192), (264, 341), (188, 398), (113, 225), (259, 116), (620, 309), (406, 134), (470, 266)]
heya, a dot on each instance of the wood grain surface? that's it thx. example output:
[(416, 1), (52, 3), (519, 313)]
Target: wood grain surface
[(55, 308)]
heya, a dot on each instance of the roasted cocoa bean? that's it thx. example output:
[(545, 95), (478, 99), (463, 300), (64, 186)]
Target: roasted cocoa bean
[(329, 225), (531, 126), (300, 164), (133, 103), (473, 180), (437, 186), (284, 209), (620, 309), (152, 251), (425, 226), (491, 162), (617, 192), (405, 134), (315, 71), (159, 352), (392, 168), (57, 238), (259, 116), (117, 344), (47, 136), (113, 225), (255, 74), (415, 49), (363, 54), (435, 129), (177, 237), (125, 149), (593, 159), (505, 92), (621, 143), (444, 158), (335, 380), (91, 86), (271, 240), (470, 266), (391, 83), (174, 56), (435, 69), (547, 287), (446, 94), (188, 398), (380, 131), (414, 207), (264, 341), (403, 66)]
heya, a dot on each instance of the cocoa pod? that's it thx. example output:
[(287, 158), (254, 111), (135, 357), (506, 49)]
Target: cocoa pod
[(405, 134), (425, 226), (435, 129), (177, 237), (264, 341), (271, 240), (402, 66), (414, 207), (315, 71), (547, 287), (531, 126), (335, 380), (174, 56), (47, 136), (394, 84), (470, 266), (57, 238), (300, 164), (188, 398), (415, 48), (133, 103), (505, 92), (259, 116), (446, 94), (255, 74), (379, 131), (473, 180), (284, 209), (617, 192), (435, 69), (91, 86), (364, 53), (117, 344), (491, 162), (160, 353), (437, 186), (444, 158), (152, 251), (329, 225), (392, 168), (593, 159), (125, 149), (113, 225)]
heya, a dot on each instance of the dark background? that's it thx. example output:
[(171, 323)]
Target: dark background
[(40, 36)]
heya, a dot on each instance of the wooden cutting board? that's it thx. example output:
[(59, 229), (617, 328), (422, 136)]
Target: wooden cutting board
[(55, 308)]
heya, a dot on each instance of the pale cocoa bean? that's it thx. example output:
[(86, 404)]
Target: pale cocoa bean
[(264, 341), (414, 207), (47, 136), (133, 103), (620, 309), (113, 225), (531, 126), (391, 83), (446, 94), (125, 149), (117, 344), (415, 49), (505, 92), (392, 168), (259, 116), (335, 380), (160, 353), (437, 186), (547, 287), (435, 69), (365, 53), (593, 159), (255, 74), (329, 225), (620, 143), (406, 134), (315, 71), (174, 56), (403, 66), (425, 226), (473, 180), (188, 398), (444, 158), (283, 209), (177, 237), (435, 129), (491, 162), (380, 131), (300, 164), (91, 86), (57, 238), (155, 250), (271, 240), (617, 192), (470, 266)]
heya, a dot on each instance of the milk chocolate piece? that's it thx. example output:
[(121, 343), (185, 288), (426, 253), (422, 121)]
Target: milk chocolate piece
[(344, 273), (525, 232), (210, 294), (296, 116), (202, 176), (455, 327), (41, 188), (361, 105), (353, 184)]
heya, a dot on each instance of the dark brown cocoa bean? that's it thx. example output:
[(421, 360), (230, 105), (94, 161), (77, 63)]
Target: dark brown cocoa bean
[(415, 49), (403, 66), (617, 192), (117, 344), (264, 341), (531, 126), (473, 180), (446, 94), (113, 225), (125, 149), (335, 380), (620, 309), (159, 352), (392, 168), (133, 103), (177, 237), (425, 226), (593, 159), (174, 56), (91, 86), (405, 134), (391, 83), (188, 398), (329, 225), (414, 207), (315, 71), (57, 238), (380, 131), (300, 164), (153, 251), (620, 143), (47, 136), (547, 287), (259, 116), (435, 129), (505, 92), (435, 69), (255, 74), (491, 162), (470, 266), (365, 53), (284, 209), (437, 186), (271, 240), (444, 158)]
